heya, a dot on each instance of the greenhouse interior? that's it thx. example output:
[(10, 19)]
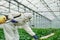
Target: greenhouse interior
[(45, 19)]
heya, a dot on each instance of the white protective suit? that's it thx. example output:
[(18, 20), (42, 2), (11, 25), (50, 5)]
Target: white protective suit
[(10, 29)]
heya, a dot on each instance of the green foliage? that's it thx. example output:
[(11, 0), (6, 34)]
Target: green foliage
[(1, 35), (38, 31)]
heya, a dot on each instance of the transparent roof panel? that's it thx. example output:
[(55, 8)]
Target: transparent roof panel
[(44, 7), (13, 7)]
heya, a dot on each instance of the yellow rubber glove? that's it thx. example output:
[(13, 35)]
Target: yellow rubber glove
[(2, 19)]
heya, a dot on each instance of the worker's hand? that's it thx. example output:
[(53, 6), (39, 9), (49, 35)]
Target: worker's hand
[(14, 21)]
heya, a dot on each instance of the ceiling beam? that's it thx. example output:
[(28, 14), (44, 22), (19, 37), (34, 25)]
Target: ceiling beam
[(49, 9), (31, 9)]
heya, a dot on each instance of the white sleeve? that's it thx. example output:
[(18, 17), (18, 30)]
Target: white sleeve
[(27, 28), (12, 15)]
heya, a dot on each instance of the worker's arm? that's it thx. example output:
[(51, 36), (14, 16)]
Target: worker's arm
[(11, 18)]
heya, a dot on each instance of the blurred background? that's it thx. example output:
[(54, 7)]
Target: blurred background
[(46, 16)]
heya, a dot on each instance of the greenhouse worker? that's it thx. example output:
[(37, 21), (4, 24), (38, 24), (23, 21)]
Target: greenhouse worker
[(15, 20)]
